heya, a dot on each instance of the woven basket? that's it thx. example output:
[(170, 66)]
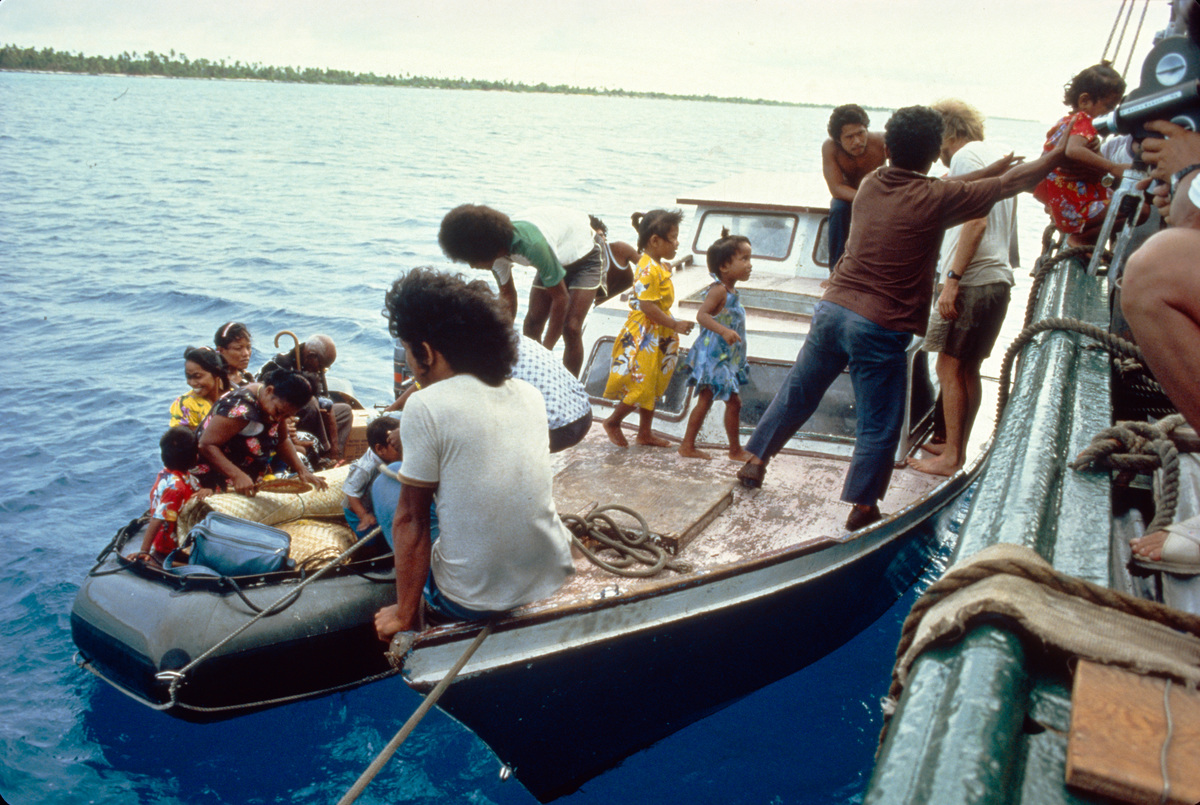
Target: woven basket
[(270, 507), (316, 543)]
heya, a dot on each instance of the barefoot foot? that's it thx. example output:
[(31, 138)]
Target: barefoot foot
[(1149, 546), (650, 440), (740, 454), (615, 435), (934, 448), (938, 465), (692, 452)]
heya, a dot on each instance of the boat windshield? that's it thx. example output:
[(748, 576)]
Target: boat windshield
[(770, 234)]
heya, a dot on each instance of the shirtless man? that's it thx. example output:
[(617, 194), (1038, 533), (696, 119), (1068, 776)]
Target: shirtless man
[(850, 153)]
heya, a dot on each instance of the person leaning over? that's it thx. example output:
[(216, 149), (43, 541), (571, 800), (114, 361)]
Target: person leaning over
[(559, 243), (878, 298), (329, 421), (479, 441)]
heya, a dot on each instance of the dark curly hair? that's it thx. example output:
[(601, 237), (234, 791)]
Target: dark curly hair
[(655, 222), (462, 320), (1098, 81), (846, 115), (474, 234), (178, 448), (291, 387), (913, 136), (724, 249)]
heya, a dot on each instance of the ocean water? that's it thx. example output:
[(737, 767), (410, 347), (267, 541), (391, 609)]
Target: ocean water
[(138, 214)]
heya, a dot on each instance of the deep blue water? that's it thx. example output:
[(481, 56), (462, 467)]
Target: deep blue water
[(136, 215)]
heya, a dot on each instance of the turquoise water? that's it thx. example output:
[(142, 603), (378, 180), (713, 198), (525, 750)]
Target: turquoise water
[(136, 215)]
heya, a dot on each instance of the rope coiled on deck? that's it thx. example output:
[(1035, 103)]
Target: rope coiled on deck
[(630, 547)]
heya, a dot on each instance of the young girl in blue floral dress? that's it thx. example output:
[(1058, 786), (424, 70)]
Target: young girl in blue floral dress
[(717, 361), (646, 350)]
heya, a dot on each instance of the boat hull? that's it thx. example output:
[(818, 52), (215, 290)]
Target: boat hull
[(563, 701)]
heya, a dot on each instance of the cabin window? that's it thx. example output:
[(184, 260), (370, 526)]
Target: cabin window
[(820, 253), (770, 234)]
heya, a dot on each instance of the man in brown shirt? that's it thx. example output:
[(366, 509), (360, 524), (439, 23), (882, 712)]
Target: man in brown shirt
[(879, 297), (850, 153)]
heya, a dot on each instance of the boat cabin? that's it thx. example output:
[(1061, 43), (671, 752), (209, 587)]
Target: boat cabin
[(791, 259)]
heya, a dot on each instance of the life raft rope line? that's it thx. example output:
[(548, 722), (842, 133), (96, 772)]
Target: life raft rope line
[(631, 547), (176, 678), (1132, 447), (426, 705)]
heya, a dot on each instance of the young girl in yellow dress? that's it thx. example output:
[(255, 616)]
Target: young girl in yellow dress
[(645, 352)]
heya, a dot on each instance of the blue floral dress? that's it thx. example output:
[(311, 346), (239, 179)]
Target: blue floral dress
[(715, 364)]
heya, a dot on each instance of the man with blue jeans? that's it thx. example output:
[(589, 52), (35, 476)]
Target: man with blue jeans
[(879, 297)]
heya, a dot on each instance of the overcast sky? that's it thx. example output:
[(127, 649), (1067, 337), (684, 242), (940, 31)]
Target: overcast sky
[(1009, 58)]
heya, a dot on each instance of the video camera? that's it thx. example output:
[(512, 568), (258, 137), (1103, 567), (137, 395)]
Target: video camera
[(1170, 90)]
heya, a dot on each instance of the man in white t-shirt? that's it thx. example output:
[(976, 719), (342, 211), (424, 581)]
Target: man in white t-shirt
[(976, 269), (478, 440)]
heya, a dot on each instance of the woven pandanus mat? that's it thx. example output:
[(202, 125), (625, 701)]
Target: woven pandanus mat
[(270, 507), (315, 543)]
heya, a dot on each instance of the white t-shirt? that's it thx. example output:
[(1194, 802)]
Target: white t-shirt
[(998, 249), (568, 232), (488, 450)]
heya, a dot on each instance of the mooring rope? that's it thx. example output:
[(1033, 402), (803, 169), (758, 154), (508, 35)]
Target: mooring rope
[(1140, 447), (631, 548), (1113, 343), (1045, 264)]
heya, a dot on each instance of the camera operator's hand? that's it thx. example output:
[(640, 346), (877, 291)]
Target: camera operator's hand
[(1179, 149), (1159, 196)]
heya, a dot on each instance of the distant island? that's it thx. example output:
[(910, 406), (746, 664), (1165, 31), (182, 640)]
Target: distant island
[(172, 65)]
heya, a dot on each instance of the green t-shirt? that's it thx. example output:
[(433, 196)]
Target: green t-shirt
[(528, 242)]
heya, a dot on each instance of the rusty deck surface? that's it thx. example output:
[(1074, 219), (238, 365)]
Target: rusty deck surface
[(701, 503)]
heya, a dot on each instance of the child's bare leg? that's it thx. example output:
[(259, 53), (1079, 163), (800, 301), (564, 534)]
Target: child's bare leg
[(645, 434), (733, 411), (612, 425), (687, 448)]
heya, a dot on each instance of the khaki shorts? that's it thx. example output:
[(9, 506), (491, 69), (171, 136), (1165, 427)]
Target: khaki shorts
[(972, 335), (582, 275)]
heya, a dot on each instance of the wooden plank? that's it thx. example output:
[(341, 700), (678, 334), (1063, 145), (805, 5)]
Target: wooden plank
[(677, 496), (1118, 726)]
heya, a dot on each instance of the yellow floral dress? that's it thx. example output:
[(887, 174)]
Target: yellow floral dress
[(189, 409), (644, 354)]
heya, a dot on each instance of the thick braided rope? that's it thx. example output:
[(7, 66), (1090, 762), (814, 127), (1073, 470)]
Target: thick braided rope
[(1043, 267), (1140, 447), (1113, 343)]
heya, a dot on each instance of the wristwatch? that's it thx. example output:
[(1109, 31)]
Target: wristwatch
[(950, 275), (1179, 175)]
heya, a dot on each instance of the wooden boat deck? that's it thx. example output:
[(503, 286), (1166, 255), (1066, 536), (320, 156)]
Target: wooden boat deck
[(700, 506)]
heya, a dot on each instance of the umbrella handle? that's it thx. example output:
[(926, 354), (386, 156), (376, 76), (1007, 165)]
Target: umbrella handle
[(281, 334)]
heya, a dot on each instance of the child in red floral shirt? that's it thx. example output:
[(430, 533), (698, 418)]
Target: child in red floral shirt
[(173, 487)]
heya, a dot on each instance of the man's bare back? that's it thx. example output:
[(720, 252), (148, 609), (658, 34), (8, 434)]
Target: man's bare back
[(846, 162)]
